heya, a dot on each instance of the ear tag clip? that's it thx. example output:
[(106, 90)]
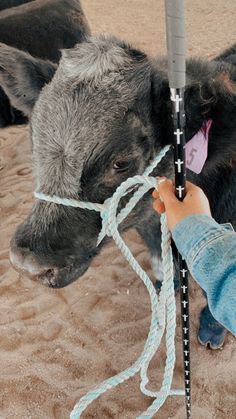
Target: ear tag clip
[(196, 150)]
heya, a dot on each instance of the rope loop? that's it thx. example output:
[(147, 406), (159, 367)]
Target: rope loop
[(163, 309)]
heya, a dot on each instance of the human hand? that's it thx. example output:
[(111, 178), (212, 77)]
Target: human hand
[(195, 202)]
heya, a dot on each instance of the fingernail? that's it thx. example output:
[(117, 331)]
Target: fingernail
[(161, 179)]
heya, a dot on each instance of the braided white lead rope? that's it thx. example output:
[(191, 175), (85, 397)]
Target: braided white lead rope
[(162, 306)]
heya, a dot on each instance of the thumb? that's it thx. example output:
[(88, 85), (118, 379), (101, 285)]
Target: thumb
[(167, 192)]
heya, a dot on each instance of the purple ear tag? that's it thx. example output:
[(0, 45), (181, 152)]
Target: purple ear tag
[(196, 149)]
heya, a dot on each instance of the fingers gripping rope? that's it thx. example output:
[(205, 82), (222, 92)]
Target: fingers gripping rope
[(163, 306)]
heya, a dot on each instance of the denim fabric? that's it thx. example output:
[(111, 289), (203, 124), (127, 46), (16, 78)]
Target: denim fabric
[(210, 253)]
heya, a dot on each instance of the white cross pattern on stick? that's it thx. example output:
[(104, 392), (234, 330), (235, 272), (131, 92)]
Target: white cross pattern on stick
[(179, 163), (186, 363), (184, 287), (180, 189), (178, 133), (186, 372), (177, 100), (185, 329), (184, 303), (184, 271), (186, 353), (188, 390), (185, 341), (185, 316)]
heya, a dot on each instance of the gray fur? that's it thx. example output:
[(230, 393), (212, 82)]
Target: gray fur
[(63, 146), (91, 62)]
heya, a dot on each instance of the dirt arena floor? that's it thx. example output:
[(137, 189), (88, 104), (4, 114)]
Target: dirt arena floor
[(56, 345)]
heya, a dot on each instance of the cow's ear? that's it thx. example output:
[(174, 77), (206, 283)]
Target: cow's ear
[(23, 76), (161, 107)]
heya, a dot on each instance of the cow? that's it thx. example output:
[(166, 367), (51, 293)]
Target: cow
[(42, 28), (100, 119)]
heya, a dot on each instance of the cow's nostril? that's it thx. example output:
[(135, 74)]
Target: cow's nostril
[(49, 274), (48, 277)]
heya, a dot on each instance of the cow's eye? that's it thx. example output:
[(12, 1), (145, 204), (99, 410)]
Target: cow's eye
[(121, 166)]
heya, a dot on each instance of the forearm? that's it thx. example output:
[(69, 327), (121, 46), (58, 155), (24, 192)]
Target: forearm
[(210, 252)]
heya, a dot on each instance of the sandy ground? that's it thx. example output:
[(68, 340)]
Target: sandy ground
[(56, 345)]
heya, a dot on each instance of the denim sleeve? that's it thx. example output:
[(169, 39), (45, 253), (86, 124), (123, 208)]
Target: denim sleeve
[(210, 253)]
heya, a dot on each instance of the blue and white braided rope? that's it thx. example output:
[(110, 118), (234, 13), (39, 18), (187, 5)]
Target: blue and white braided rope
[(162, 306)]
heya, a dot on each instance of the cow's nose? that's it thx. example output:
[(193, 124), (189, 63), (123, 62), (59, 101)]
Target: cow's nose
[(26, 262)]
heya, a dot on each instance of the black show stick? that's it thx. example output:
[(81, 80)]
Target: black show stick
[(175, 33)]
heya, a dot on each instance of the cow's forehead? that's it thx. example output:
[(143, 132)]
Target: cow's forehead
[(76, 114), (65, 132)]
